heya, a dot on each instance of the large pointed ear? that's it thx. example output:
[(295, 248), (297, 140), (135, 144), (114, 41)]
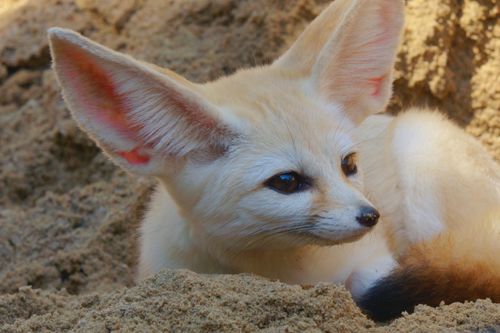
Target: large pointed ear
[(141, 117), (349, 52)]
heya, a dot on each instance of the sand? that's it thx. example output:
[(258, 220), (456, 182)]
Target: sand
[(68, 217)]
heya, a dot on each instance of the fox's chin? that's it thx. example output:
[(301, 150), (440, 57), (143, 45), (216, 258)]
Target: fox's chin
[(328, 240), (293, 239)]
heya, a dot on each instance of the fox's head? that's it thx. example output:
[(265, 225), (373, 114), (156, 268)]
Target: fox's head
[(264, 157)]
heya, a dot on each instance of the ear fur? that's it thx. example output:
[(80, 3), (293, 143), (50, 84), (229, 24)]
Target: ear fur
[(139, 116), (349, 51)]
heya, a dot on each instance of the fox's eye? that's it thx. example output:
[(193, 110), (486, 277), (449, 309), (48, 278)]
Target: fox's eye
[(287, 183), (349, 165)]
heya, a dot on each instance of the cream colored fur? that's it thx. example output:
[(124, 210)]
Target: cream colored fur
[(213, 146), (427, 178)]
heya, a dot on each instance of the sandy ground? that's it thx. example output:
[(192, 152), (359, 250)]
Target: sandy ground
[(68, 217)]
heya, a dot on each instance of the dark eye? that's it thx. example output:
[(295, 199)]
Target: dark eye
[(287, 183), (349, 165)]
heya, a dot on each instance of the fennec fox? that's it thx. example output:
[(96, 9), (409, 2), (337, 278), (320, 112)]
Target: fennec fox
[(282, 170)]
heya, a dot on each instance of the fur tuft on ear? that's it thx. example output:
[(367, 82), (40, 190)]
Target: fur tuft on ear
[(141, 117), (349, 52)]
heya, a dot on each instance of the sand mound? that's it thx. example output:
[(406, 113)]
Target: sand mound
[(182, 301), (68, 216)]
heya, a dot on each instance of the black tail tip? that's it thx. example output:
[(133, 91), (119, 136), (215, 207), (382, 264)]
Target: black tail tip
[(389, 298)]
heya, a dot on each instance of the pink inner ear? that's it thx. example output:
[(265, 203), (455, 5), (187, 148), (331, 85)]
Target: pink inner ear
[(376, 83), (134, 156), (95, 91)]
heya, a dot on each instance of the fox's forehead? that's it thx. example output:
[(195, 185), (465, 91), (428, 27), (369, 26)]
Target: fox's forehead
[(255, 93), (284, 120), (282, 110)]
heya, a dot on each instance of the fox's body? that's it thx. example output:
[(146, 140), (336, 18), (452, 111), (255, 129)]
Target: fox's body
[(438, 192), (257, 171), (426, 176)]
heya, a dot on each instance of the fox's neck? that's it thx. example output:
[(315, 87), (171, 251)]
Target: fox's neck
[(287, 265)]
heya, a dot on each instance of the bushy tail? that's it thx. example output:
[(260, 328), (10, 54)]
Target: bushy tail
[(461, 265)]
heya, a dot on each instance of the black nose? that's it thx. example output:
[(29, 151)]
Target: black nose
[(368, 216)]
